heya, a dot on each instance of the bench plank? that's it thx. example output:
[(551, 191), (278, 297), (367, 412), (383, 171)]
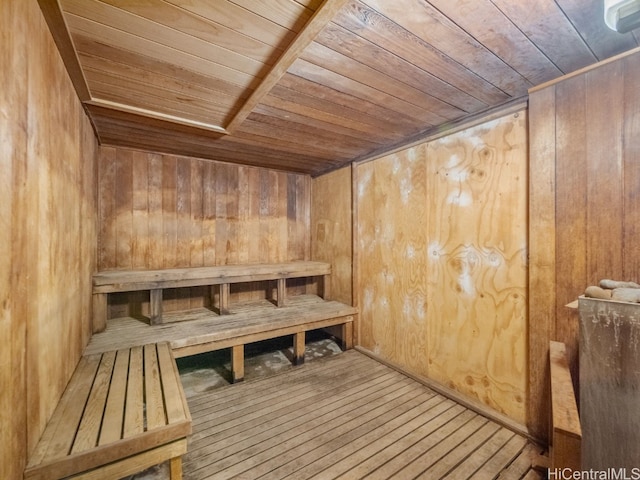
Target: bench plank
[(89, 429), (202, 326), (93, 401), (153, 389), (112, 430), (134, 280), (134, 411), (175, 401), (57, 438)]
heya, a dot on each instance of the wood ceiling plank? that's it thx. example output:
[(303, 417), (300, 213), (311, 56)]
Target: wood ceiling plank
[(124, 73), (369, 24), (424, 21), (278, 128), (322, 76), (343, 41), (286, 13), (290, 110), (291, 101), (143, 139), (147, 97), (103, 34), (134, 25), (88, 49), (488, 25), (548, 27), (207, 30), (322, 96), (318, 21), (239, 19), (602, 41), (421, 105)]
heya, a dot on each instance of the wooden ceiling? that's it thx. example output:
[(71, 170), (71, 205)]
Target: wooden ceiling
[(310, 85)]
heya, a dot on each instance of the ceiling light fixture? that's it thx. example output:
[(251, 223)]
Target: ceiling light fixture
[(622, 15)]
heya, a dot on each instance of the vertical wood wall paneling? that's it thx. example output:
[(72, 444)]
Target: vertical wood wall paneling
[(441, 255), (631, 170), (542, 254), (331, 237), (571, 210), (477, 262), (583, 205), (164, 211), (47, 230), (392, 231), (13, 165)]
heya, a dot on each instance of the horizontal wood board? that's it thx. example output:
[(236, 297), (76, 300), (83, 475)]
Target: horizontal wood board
[(346, 417), (192, 329), (99, 421), (164, 211), (313, 84)]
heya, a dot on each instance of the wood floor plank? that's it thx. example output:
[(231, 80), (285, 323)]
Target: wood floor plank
[(351, 454), (521, 465), (480, 456), (346, 417), (501, 459), (430, 440), (255, 455), (253, 395), (326, 444), (218, 446), (241, 421)]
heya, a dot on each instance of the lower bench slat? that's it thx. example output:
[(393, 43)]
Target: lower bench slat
[(93, 407)]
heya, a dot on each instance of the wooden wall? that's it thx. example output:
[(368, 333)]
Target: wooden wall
[(164, 211), (47, 230), (331, 225), (441, 259), (584, 205)]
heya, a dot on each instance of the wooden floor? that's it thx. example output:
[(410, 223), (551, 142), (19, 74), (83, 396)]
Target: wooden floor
[(347, 417)]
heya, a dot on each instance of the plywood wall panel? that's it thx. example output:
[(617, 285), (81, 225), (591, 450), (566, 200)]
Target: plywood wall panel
[(48, 240), (477, 263), (583, 208), (392, 239), (165, 211), (442, 268)]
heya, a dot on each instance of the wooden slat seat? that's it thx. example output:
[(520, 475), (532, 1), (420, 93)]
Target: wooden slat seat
[(201, 330), (122, 412), (155, 280)]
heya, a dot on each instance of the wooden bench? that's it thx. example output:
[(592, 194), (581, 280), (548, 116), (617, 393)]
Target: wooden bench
[(566, 433), (201, 330), (122, 412), (156, 280)]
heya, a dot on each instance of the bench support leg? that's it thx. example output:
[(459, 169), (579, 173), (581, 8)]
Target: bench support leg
[(282, 292), (176, 468), (326, 287), (155, 306), (224, 298), (237, 363), (99, 312), (298, 348), (347, 336)]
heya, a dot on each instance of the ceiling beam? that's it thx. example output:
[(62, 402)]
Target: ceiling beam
[(52, 13), (321, 18), (156, 115)]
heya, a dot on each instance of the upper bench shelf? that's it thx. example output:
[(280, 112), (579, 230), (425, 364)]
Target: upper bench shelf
[(155, 281)]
